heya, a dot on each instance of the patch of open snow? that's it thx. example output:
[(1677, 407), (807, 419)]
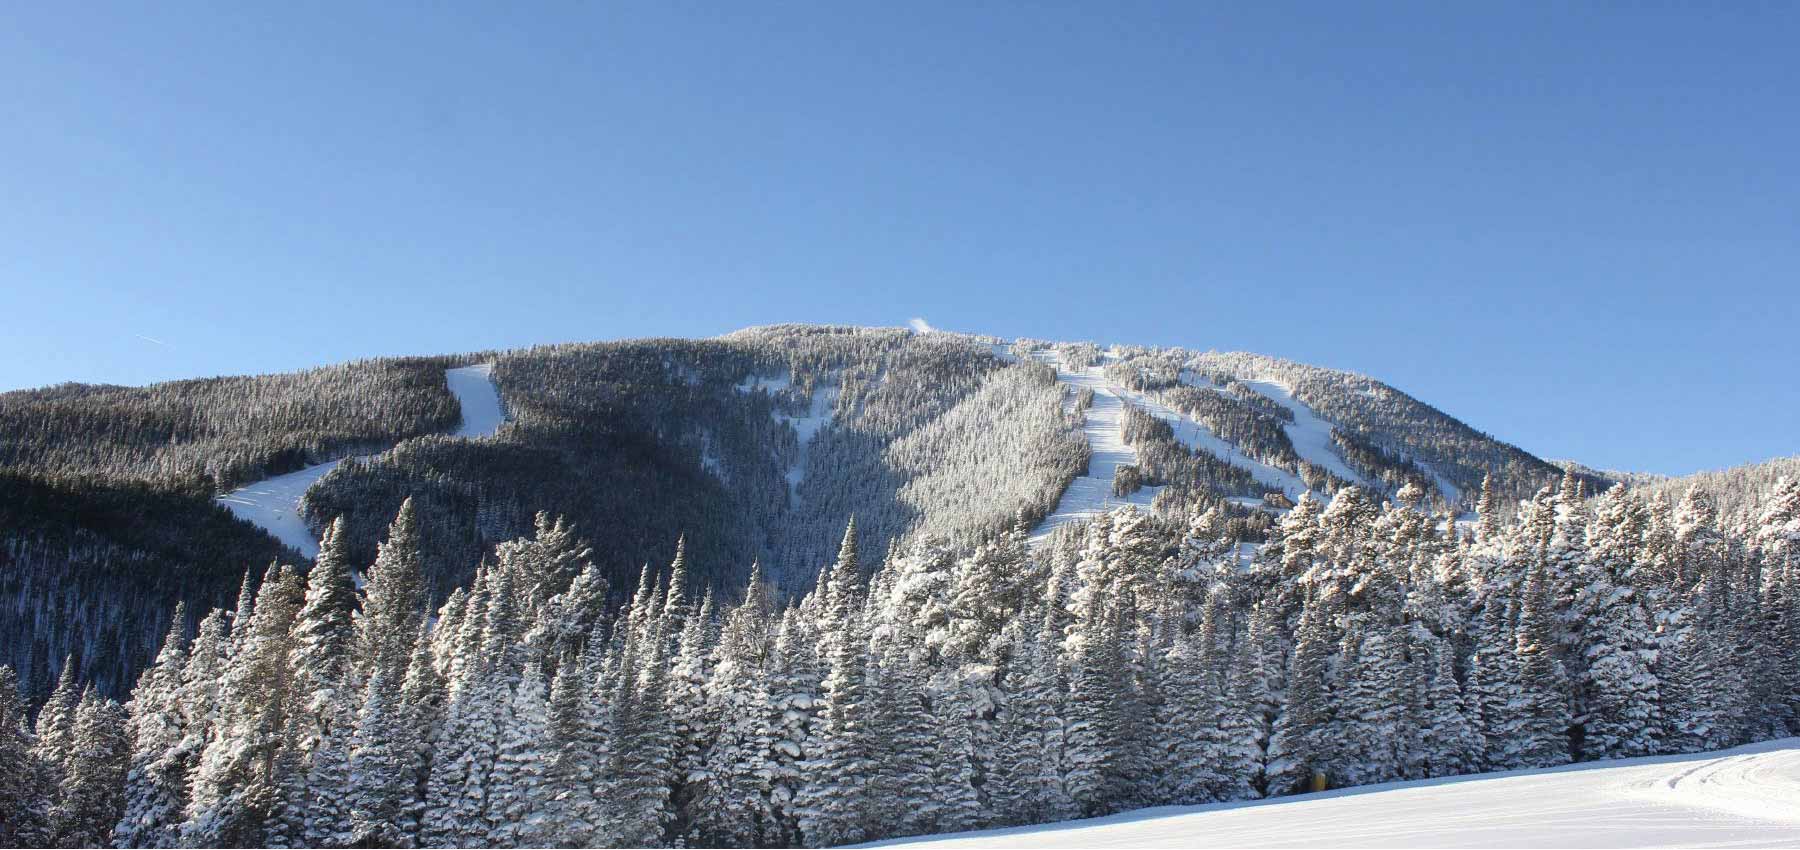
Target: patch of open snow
[(1196, 435), (1451, 492), (474, 388), (1744, 797), (1310, 434), (817, 416), (274, 503), (1092, 494)]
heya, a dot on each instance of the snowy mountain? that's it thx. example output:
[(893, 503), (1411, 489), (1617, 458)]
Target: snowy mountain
[(758, 446), (820, 585)]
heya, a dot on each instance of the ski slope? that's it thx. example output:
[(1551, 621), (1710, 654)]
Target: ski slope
[(474, 388), (1310, 434), (1195, 435), (1743, 797), (1091, 494), (274, 503)]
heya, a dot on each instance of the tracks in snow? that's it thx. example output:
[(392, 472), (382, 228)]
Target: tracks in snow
[(1744, 797), (1091, 494)]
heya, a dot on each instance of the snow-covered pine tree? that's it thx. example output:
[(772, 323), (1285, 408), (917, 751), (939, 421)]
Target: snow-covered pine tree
[(157, 776), (1617, 637), (381, 780), (832, 796), (91, 796), (738, 811), (1453, 745), (517, 793), (393, 597), (1300, 747), (234, 795), (319, 728), (56, 724), (23, 785), (1541, 737), (1189, 723)]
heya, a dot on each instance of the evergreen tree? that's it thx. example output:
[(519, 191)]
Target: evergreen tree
[(1453, 744), (91, 797), (156, 780), (23, 788), (234, 794), (1541, 737)]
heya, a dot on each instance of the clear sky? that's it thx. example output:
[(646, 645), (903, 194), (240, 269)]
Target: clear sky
[(1575, 226)]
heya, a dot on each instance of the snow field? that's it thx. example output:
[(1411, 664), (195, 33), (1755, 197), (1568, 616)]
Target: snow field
[(1091, 494), (274, 503), (1743, 797)]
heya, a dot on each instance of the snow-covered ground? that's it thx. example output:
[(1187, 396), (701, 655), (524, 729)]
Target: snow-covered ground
[(1744, 797), (482, 411), (1310, 434), (274, 503), (1196, 435), (819, 413), (1091, 494)]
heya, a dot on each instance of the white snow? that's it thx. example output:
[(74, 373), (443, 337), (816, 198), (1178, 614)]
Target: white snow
[(1743, 797), (1196, 435), (474, 387), (274, 503), (1091, 494), (819, 414), (1310, 434)]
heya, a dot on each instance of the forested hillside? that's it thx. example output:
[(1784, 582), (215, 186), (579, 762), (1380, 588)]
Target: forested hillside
[(1133, 661), (757, 447)]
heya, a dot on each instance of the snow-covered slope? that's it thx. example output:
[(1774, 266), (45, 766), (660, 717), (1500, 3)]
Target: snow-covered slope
[(1743, 797), (474, 388), (274, 503), (1092, 494), (1310, 434), (1195, 435)]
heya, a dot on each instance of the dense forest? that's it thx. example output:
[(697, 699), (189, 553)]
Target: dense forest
[(759, 446), (1131, 661)]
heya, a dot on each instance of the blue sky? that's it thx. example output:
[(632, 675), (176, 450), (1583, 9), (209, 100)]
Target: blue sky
[(1573, 226)]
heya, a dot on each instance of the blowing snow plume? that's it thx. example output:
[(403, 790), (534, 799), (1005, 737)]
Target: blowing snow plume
[(919, 325)]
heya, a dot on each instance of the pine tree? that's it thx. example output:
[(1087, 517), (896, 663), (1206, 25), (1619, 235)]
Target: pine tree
[(1300, 747), (392, 600), (235, 793), (157, 776), (1623, 695), (570, 815), (1541, 737), (320, 727), (1191, 717), (56, 724), (517, 794), (837, 773), (91, 797), (1453, 744), (23, 787)]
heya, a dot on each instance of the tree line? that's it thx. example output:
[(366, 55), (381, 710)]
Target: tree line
[(1129, 662)]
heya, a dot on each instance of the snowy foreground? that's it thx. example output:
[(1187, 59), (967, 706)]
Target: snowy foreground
[(274, 503), (1743, 797)]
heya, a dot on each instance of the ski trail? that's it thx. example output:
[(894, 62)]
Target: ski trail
[(1091, 494), (1310, 433), (274, 503), (1744, 797)]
